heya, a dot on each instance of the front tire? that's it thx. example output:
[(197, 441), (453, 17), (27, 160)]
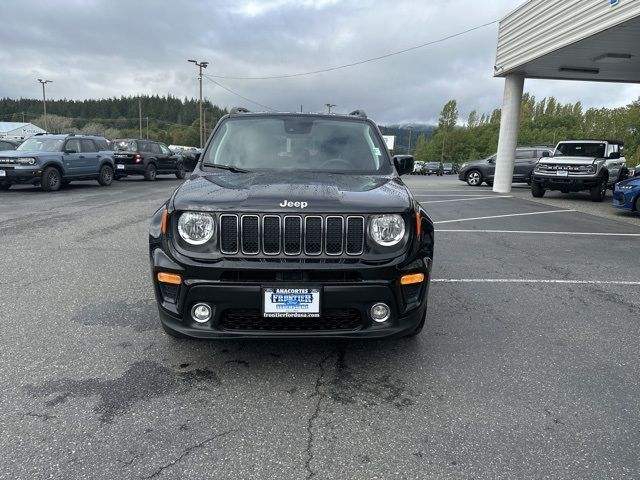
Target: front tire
[(181, 172), (150, 173), (474, 178), (599, 191), (105, 177), (537, 190), (51, 180)]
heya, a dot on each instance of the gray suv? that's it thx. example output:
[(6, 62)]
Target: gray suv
[(53, 161), (478, 171)]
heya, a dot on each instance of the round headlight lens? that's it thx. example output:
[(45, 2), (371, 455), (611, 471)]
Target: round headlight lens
[(386, 230), (196, 228)]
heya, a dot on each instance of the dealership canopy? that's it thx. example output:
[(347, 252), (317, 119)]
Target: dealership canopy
[(594, 40)]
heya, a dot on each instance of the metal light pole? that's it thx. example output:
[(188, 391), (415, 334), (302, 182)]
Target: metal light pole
[(329, 105), (44, 101), (409, 149), (201, 65)]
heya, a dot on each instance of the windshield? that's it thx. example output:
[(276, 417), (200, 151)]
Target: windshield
[(447, 165), (39, 144), (433, 164), (581, 149), (298, 143), (125, 145)]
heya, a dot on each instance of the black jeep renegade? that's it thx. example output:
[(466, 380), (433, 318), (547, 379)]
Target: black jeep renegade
[(293, 225)]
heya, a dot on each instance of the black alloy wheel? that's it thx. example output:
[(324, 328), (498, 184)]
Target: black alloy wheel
[(105, 177), (51, 180)]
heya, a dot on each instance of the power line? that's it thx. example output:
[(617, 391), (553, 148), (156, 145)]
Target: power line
[(360, 62), (208, 77)]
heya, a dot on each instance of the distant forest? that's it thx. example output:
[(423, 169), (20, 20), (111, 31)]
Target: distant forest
[(542, 122), (170, 119), (175, 121)]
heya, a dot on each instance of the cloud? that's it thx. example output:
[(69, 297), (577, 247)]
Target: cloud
[(104, 48)]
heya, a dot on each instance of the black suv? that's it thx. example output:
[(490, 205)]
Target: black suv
[(53, 161), (293, 225), (145, 157), (477, 171), (8, 144)]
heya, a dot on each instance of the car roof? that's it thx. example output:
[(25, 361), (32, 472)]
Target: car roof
[(62, 136), (357, 115), (591, 140)]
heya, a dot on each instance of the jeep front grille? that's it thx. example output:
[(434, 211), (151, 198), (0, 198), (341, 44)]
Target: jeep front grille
[(272, 235)]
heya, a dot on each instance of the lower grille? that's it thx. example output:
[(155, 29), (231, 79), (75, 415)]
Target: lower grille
[(252, 320)]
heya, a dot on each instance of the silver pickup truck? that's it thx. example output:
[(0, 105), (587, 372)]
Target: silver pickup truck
[(593, 165)]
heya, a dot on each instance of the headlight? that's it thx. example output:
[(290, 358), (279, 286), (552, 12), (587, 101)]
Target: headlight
[(26, 161), (464, 165), (626, 187), (386, 230), (196, 228)]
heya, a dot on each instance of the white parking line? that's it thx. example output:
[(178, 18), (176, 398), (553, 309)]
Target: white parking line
[(456, 195), (503, 216), (467, 199), (524, 280), (531, 232)]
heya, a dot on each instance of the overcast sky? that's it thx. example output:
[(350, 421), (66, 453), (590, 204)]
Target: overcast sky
[(105, 48)]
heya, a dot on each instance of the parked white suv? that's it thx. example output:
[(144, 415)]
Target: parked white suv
[(576, 165)]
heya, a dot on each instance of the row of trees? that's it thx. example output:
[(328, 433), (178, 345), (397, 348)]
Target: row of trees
[(169, 119), (542, 122)]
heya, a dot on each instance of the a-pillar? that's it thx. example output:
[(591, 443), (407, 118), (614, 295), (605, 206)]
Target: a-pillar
[(509, 126)]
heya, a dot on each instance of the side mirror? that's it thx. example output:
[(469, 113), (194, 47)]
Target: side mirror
[(403, 163), (69, 150), (614, 155), (546, 153), (491, 161)]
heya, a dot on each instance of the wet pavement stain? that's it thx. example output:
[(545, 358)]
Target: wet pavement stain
[(142, 381), (348, 388), (141, 316)]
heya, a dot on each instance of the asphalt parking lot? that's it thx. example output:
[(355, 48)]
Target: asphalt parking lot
[(527, 366)]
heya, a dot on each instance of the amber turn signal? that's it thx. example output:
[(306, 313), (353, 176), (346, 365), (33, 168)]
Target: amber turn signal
[(412, 278), (172, 278), (165, 214)]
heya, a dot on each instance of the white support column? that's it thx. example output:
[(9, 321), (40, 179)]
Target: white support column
[(509, 126)]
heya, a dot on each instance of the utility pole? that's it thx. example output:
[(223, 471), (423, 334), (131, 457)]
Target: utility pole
[(442, 153), (329, 105), (44, 101), (140, 114), (409, 149), (147, 127), (200, 65), (204, 121)]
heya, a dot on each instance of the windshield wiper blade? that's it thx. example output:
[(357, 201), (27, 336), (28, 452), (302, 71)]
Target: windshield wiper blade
[(231, 168)]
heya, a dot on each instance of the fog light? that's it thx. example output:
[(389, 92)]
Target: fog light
[(201, 312), (380, 312)]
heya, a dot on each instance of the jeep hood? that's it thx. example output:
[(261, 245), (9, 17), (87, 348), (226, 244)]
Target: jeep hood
[(259, 192), (565, 160)]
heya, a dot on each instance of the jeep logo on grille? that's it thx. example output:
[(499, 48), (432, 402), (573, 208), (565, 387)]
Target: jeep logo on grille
[(287, 203)]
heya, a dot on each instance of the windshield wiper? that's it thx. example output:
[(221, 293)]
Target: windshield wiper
[(231, 168)]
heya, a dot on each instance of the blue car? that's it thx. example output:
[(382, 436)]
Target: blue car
[(627, 193)]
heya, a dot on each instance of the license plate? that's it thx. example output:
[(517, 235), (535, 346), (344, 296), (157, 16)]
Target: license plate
[(120, 166), (291, 302), (3, 173), (562, 173)]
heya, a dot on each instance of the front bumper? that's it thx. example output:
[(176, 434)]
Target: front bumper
[(12, 175), (350, 301), (625, 200), (569, 183)]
